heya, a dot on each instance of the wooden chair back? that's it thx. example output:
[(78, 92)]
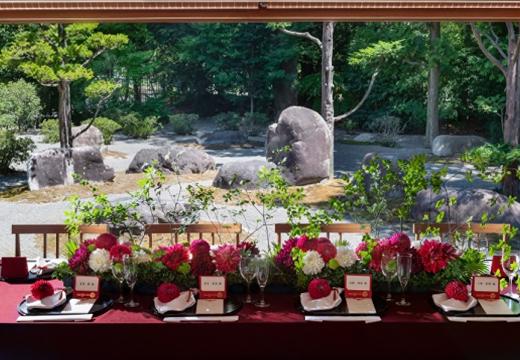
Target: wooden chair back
[(339, 229), (447, 230), (199, 229), (52, 229)]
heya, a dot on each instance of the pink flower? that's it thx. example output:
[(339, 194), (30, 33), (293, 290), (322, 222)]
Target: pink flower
[(199, 246), (436, 255), (249, 248), (284, 258), (326, 249), (400, 242), (79, 261), (174, 256), (227, 258), (106, 241), (306, 244), (118, 251)]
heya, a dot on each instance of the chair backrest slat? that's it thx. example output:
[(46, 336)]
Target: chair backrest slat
[(199, 229), (446, 229), (340, 229)]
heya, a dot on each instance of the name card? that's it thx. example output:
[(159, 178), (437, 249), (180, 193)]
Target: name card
[(86, 287), (485, 287), (358, 286), (210, 307), (212, 287)]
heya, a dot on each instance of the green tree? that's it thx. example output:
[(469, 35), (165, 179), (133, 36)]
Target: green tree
[(20, 105), (56, 55)]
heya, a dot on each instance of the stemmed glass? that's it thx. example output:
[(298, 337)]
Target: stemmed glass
[(510, 266), (262, 275), (248, 272), (130, 272), (389, 270), (404, 270), (119, 275)]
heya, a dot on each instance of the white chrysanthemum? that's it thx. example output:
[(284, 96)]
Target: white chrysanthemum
[(312, 263), (99, 260), (416, 244), (142, 256), (345, 257)]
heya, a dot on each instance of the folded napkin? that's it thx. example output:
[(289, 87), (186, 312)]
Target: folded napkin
[(365, 319), (179, 319), (52, 318), (447, 304), (325, 303), (50, 302), (44, 266), (483, 319), (185, 300)]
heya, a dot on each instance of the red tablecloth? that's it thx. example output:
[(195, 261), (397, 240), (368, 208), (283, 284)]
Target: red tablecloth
[(418, 332)]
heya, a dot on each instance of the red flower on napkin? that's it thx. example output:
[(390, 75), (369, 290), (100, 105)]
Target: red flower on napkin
[(167, 292), (319, 288), (41, 289), (457, 290)]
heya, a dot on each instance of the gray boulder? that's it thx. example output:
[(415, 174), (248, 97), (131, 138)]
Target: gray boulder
[(179, 159), (365, 137), (240, 174), (307, 136), (450, 145), (53, 167), (88, 163), (223, 138), (470, 205), (92, 137)]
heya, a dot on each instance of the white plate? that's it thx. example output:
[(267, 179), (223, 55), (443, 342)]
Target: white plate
[(447, 304), (185, 300), (47, 303), (325, 303)]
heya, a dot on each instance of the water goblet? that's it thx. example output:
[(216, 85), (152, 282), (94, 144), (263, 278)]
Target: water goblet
[(389, 270), (247, 269), (119, 275), (130, 272), (262, 275), (404, 270), (510, 267)]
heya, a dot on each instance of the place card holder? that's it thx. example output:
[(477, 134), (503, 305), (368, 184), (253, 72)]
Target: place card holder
[(86, 287), (485, 287), (358, 286), (212, 294)]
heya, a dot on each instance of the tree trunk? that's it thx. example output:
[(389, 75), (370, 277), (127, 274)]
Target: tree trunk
[(432, 118), (327, 85), (64, 114), (285, 94), (137, 91)]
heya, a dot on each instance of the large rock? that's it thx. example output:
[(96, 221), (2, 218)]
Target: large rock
[(224, 138), (183, 160), (88, 164), (240, 174), (365, 137), (53, 167), (308, 139), (450, 145), (92, 137), (471, 204)]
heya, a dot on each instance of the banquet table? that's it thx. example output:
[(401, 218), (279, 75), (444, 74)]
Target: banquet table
[(418, 332)]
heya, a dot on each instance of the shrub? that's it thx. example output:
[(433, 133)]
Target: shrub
[(228, 121), (13, 149), (388, 127), (137, 127), (255, 123), (183, 123), (107, 126), (20, 105), (50, 129)]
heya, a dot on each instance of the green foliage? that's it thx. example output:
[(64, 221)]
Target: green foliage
[(50, 130), (491, 161), (107, 126), (134, 125), (19, 105), (255, 123), (183, 124), (228, 121), (13, 149)]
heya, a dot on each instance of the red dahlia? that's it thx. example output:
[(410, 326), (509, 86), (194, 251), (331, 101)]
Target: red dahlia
[(174, 256), (168, 292), (436, 255), (326, 249), (319, 288), (202, 265), (457, 290), (306, 244), (106, 241), (118, 251), (199, 246), (41, 289)]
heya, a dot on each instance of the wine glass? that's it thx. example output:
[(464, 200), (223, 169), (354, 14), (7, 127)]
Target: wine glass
[(262, 275), (130, 272), (510, 267), (389, 270), (119, 275), (404, 270), (248, 272)]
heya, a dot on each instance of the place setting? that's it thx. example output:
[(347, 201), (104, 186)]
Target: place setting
[(20, 269)]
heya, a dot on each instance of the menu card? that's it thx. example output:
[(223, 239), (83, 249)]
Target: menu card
[(210, 306), (78, 306), (495, 307), (360, 306)]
